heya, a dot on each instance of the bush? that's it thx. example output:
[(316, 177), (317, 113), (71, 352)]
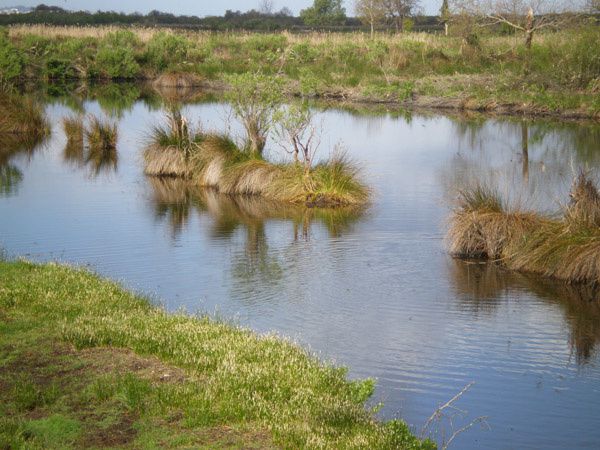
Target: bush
[(583, 60), (11, 62), (117, 62), (166, 49)]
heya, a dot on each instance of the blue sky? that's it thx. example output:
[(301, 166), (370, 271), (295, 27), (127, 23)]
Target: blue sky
[(192, 7)]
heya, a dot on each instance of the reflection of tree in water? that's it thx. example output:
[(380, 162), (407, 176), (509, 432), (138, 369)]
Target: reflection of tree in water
[(479, 285), (115, 99), (530, 163)]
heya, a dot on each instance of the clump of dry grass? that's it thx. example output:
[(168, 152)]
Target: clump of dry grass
[(584, 208), (527, 241), (217, 162), (170, 148), (481, 226), (22, 116), (74, 131), (101, 135), (165, 162)]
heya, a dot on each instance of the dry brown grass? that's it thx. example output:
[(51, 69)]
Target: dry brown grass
[(22, 116), (584, 208), (566, 249), (165, 162), (177, 80)]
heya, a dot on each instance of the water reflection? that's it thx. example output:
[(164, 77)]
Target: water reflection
[(480, 286), (10, 178), (531, 164), (174, 200)]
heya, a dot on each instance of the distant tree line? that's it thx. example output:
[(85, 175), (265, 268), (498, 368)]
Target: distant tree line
[(324, 14)]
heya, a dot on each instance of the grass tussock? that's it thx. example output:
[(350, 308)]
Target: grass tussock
[(101, 135), (171, 147), (22, 116), (566, 248), (74, 131), (87, 364)]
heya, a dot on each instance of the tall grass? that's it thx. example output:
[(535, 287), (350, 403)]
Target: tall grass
[(22, 116), (483, 73), (101, 135), (566, 248)]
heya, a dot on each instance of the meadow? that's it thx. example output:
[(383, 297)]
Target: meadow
[(479, 70)]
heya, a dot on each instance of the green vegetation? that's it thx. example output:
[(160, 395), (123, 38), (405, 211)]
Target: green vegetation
[(567, 248), (214, 160), (85, 364), (476, 68)]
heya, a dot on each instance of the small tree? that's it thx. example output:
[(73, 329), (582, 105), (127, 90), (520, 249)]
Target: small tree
[(370, 12), (266, 7), (398, 10), (324, 13), (297, 134), (594, 5), (254, 98), (445, 16)]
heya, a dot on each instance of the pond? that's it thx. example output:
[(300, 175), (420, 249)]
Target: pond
[(371, 289)]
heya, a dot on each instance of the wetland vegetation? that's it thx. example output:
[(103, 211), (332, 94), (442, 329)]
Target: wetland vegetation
[(474, 69), (83, 365), (566, 248)]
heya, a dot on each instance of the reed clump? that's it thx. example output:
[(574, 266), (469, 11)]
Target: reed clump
[(565, 247), (74, 131), (101, 135), (22, 116), (170, 148), (216, 161)]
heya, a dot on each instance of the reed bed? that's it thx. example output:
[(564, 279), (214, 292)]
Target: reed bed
[(565, 248)]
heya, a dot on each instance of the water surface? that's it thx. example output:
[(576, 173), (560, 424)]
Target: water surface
[(374, 290)]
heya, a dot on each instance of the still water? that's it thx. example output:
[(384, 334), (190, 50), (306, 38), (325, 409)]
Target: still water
[(374, 290)]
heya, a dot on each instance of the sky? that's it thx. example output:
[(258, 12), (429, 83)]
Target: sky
[(188, 7)]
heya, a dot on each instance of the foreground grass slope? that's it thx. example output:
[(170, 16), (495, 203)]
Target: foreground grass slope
[(560, 75), (84, 363)]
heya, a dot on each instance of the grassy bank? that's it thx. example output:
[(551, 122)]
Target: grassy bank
[(565, 246), (478, 71), (84, 363)]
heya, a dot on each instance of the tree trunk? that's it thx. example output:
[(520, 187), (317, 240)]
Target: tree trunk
[(372, 28), (528, 39), (525, 151), (446, 28)]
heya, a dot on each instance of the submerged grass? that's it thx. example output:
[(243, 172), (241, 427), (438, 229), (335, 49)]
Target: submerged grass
[(87, 364), (567, 248)]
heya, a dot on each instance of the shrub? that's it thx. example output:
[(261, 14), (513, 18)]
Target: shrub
[(117, 62), (166, 49), (11, 62)]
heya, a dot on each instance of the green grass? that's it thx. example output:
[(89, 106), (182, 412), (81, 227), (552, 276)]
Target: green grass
[(85, 364), (483, 73)]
